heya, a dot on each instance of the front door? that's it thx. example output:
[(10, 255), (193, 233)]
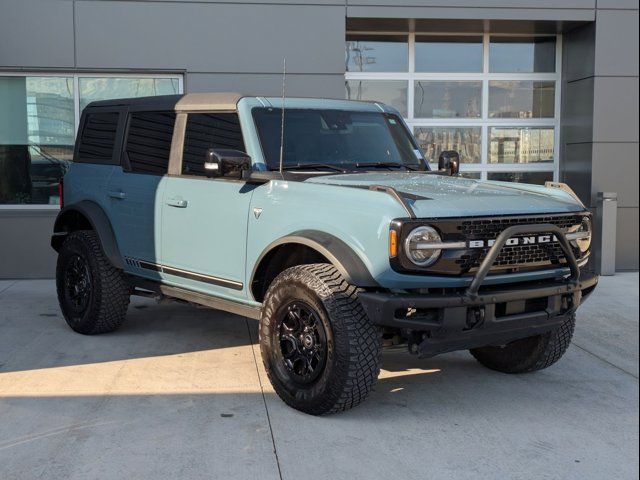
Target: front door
[(204, 220)]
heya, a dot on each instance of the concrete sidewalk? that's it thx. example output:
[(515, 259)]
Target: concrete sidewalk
[(180, 392)]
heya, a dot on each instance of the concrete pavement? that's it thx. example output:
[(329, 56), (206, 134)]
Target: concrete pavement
[(179, 392)]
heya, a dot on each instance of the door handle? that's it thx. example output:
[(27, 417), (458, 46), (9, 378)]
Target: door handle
[(177, 202), (120, 195)]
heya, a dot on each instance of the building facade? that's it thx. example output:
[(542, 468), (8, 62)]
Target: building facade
[(526, 91)]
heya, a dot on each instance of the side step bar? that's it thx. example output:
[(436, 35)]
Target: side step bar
[(211, 302), (198, 298)]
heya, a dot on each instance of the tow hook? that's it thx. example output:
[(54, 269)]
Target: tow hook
[(414, 339), (475, 317)]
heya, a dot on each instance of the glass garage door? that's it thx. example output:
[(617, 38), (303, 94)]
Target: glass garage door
[(493, 98)]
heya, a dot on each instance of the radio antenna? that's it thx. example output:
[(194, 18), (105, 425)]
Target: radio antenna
[(284, 76)]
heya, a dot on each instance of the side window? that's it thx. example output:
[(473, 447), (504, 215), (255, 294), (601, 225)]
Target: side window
[(205, 131), (149, 141), (98, 138)]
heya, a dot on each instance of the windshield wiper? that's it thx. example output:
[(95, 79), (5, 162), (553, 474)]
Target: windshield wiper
[(384, 165), (302, 166)]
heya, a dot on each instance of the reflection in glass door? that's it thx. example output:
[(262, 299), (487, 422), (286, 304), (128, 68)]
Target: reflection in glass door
[(38, 121), (494, 98)]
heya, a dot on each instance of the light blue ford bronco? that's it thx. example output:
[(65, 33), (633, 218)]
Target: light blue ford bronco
[(322, 220)]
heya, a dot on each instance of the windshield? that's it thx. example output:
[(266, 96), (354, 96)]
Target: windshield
[(336, 139)]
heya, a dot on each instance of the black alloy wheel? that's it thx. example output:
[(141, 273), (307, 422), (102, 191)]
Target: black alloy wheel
[(302, 342), (77, 284)]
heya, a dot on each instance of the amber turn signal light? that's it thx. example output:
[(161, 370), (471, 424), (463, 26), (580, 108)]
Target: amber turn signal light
[(393, 243)]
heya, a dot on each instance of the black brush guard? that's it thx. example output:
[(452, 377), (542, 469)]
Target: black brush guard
[(485, 316)]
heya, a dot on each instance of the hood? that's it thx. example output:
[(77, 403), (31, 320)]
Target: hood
[(440, 196)]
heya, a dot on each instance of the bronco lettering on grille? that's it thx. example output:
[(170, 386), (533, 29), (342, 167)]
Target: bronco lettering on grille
[(515, 241)]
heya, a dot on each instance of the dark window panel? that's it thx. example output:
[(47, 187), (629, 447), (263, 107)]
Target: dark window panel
[(521, 99), (538, 178), (522, 55), (448, 54), (205, 131), (467, 141), (471, 175), (98, 138), (377, 53), (149, 141), (447, 99), (389, 92), (521, 144)]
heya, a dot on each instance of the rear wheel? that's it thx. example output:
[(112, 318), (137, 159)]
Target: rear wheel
[(93, 295), (321, 353), (529, 354)]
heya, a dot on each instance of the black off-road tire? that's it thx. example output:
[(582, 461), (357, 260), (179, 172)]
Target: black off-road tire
[(108, 295), (529, 354), (353, 344)]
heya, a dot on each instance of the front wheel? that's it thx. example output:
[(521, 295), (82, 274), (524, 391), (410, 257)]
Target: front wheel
[(529, 354), (321, 353)]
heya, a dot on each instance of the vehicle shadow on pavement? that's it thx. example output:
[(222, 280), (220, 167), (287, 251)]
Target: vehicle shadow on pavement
[(36, 336)]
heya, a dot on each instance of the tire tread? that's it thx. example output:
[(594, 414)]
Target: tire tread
[(542, 352)]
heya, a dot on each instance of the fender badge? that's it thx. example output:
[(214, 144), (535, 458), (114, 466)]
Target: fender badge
[(257, 211)]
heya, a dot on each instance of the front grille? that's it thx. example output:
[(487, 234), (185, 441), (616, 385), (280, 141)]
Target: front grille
[(515, 256), (518, 256), (486, 228), (466, 261)]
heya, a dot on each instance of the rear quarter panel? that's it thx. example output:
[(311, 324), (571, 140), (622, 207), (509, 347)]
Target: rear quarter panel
[(87, 181)]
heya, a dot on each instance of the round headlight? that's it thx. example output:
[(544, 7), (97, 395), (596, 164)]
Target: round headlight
[(584, 241), (418, 248)]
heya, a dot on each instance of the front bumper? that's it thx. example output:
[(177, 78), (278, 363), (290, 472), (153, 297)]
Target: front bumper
[(495, 317), (479, 315)]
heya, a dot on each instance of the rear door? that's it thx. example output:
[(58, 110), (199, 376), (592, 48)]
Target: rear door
[(135, 189), (204, 220)]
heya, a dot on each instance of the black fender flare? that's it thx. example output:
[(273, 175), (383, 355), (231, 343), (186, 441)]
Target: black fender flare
[(100, 224), (341, 255)]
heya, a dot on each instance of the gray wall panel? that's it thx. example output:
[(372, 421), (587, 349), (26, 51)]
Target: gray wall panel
[(448, 25), (266, 2), (576, 118), (329, 86), (576, 169), (615, 109), (615, 169), (578, 53), (615, 127), (36, 33), (557, 15), (203, 37), (577, 111), (485, 4), (25, 251), (616, 51), (630, 4), (627, 239)]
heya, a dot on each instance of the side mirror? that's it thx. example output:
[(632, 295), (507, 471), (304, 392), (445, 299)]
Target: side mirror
[(449, 161), (219, 162)]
